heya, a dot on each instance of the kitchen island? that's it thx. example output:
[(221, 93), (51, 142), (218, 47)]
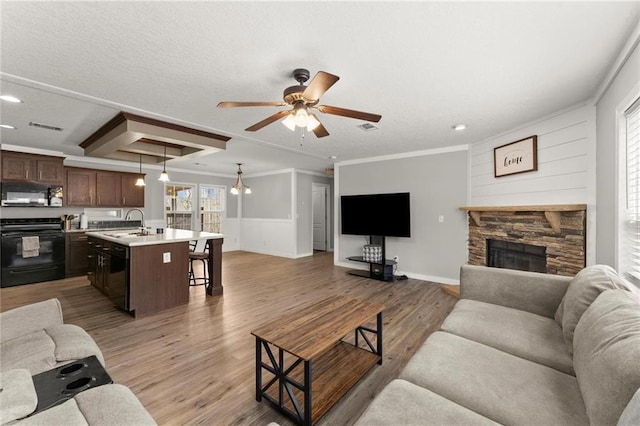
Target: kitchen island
[(143, 274)]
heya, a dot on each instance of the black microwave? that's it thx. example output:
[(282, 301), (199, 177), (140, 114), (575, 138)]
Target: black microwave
[(26, 194)]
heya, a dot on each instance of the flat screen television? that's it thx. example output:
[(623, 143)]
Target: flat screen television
[(387, 215)]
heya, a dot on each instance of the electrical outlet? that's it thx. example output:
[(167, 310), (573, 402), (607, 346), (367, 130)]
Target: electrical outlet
[(166, 257), (441, 218)]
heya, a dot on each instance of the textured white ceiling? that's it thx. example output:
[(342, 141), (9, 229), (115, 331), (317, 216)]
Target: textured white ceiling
[(422, 65)]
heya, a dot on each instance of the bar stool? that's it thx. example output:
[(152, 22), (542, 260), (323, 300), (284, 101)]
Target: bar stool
[(195, 256)]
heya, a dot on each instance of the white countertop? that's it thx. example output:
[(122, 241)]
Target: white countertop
[(126, 238)]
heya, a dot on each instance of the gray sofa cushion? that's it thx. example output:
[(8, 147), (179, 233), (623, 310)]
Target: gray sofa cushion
[(497, 385), (108, 405), (34, 351), (72, 342), (17, 395), (517, 332), (112, 405), (403, 403), (66, 414), (607, 350), (583, 290), (46, 349), (30, 318)]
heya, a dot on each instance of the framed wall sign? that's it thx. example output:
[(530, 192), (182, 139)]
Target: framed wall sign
[(516, 157)]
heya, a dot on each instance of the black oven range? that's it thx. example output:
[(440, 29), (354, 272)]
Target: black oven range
[(32, 250)]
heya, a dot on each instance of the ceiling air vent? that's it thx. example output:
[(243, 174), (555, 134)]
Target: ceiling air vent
[(46, 126), (367, 127)]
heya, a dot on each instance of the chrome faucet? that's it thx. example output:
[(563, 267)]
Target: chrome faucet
[(126, 217)]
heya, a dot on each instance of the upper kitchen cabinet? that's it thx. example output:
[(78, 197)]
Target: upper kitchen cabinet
[(108, 189), (102, 188), (132, 195), (22, 167), (80, 187)]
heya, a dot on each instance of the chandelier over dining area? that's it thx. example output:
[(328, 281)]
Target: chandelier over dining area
[(240, 186)]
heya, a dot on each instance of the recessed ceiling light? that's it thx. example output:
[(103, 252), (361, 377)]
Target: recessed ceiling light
[(459, 127), (333, 157), (6, 126), (10, 98)]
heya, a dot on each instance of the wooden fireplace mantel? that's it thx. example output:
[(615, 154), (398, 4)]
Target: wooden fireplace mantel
[(552, 212)]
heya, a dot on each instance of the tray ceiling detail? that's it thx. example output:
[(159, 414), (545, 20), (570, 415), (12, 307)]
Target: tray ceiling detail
[(127, 136)]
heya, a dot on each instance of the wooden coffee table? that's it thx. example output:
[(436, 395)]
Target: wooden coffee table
[(321, 367)]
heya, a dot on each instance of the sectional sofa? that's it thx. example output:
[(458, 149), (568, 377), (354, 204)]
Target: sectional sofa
[(33, 340), (525, 348)]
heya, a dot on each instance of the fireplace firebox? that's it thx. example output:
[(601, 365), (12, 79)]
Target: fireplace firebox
[(509, 255)]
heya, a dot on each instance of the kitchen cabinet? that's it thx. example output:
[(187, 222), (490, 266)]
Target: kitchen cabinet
[(108, 189), (22, 167), (99, 262), (132, 195), (76, 254), (102, 188), (80, 187)]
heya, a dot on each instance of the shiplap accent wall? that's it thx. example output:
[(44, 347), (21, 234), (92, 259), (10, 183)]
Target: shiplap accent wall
[(566, 167), (566, 142)]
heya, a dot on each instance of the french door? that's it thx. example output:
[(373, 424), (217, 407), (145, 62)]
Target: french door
[(179, 205)]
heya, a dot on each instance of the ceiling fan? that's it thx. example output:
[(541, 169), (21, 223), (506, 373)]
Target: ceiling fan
[(303, 99)]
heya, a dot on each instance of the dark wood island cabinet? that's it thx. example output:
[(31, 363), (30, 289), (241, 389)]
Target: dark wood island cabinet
[(146, 274)]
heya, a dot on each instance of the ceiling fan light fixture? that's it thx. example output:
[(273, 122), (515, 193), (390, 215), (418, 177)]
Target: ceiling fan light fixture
[(290, 122), (301, 117), (312, 123)]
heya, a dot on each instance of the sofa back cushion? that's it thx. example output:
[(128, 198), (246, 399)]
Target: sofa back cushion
[(607, 350), (582, 291)]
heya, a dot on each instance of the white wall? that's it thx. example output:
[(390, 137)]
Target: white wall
[(566, 167)]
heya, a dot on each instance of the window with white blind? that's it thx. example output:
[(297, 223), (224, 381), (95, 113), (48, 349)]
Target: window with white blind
[(630, 224)]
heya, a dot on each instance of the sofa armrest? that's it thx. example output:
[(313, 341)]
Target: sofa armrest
[(30, 318), (527, 291)]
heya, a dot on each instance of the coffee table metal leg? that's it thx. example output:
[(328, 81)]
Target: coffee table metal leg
[(307, 392), (258, 369), (379, 336)]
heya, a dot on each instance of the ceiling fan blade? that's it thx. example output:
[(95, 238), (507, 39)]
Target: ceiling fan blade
[(320, 83), (275, 117), (320, 131), (249, 104), (349, 113)]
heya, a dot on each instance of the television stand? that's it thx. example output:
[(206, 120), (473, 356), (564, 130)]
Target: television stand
[(377, 270)]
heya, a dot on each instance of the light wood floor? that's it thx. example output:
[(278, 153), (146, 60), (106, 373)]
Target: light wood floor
[(194, 364)]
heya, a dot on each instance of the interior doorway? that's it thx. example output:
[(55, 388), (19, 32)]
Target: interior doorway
[(320, 216)]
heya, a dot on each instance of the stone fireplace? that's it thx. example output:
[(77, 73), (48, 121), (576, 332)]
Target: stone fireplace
[(549, 239)]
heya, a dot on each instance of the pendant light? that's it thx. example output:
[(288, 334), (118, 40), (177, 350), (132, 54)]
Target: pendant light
[(164, 176), (239, 185), (140, 181)]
